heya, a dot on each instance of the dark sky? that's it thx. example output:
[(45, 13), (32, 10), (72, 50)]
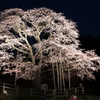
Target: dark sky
[(85, 13)]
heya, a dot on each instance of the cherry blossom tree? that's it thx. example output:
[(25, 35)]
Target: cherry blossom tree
[(41, 37)]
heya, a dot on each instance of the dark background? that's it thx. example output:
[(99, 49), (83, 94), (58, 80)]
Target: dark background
[(85, 13)]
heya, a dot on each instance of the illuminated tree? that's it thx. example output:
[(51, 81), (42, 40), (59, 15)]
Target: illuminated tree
[(40, 37)]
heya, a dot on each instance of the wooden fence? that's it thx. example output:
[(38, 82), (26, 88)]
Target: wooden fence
[(17, 93), (63, 94)]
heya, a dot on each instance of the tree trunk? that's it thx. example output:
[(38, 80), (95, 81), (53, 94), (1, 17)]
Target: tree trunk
[(37, 80)]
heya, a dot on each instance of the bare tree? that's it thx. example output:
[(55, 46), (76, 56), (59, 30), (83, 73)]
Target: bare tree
[(42, 36)]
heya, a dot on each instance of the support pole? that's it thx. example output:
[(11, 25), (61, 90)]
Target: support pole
[(69, 82), (53, 76)]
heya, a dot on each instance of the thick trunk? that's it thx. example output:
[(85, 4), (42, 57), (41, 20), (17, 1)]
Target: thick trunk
[(37, 80)]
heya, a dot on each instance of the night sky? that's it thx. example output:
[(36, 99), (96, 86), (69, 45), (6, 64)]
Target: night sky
[(86, 14)]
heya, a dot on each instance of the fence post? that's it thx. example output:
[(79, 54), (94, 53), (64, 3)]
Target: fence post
[(16, 92), (83, 89), (4, 89), (75, 90), (66, 92)]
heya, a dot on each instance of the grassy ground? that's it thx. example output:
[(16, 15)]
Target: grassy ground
[(92, 97), (88, 97), (25, 94)]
